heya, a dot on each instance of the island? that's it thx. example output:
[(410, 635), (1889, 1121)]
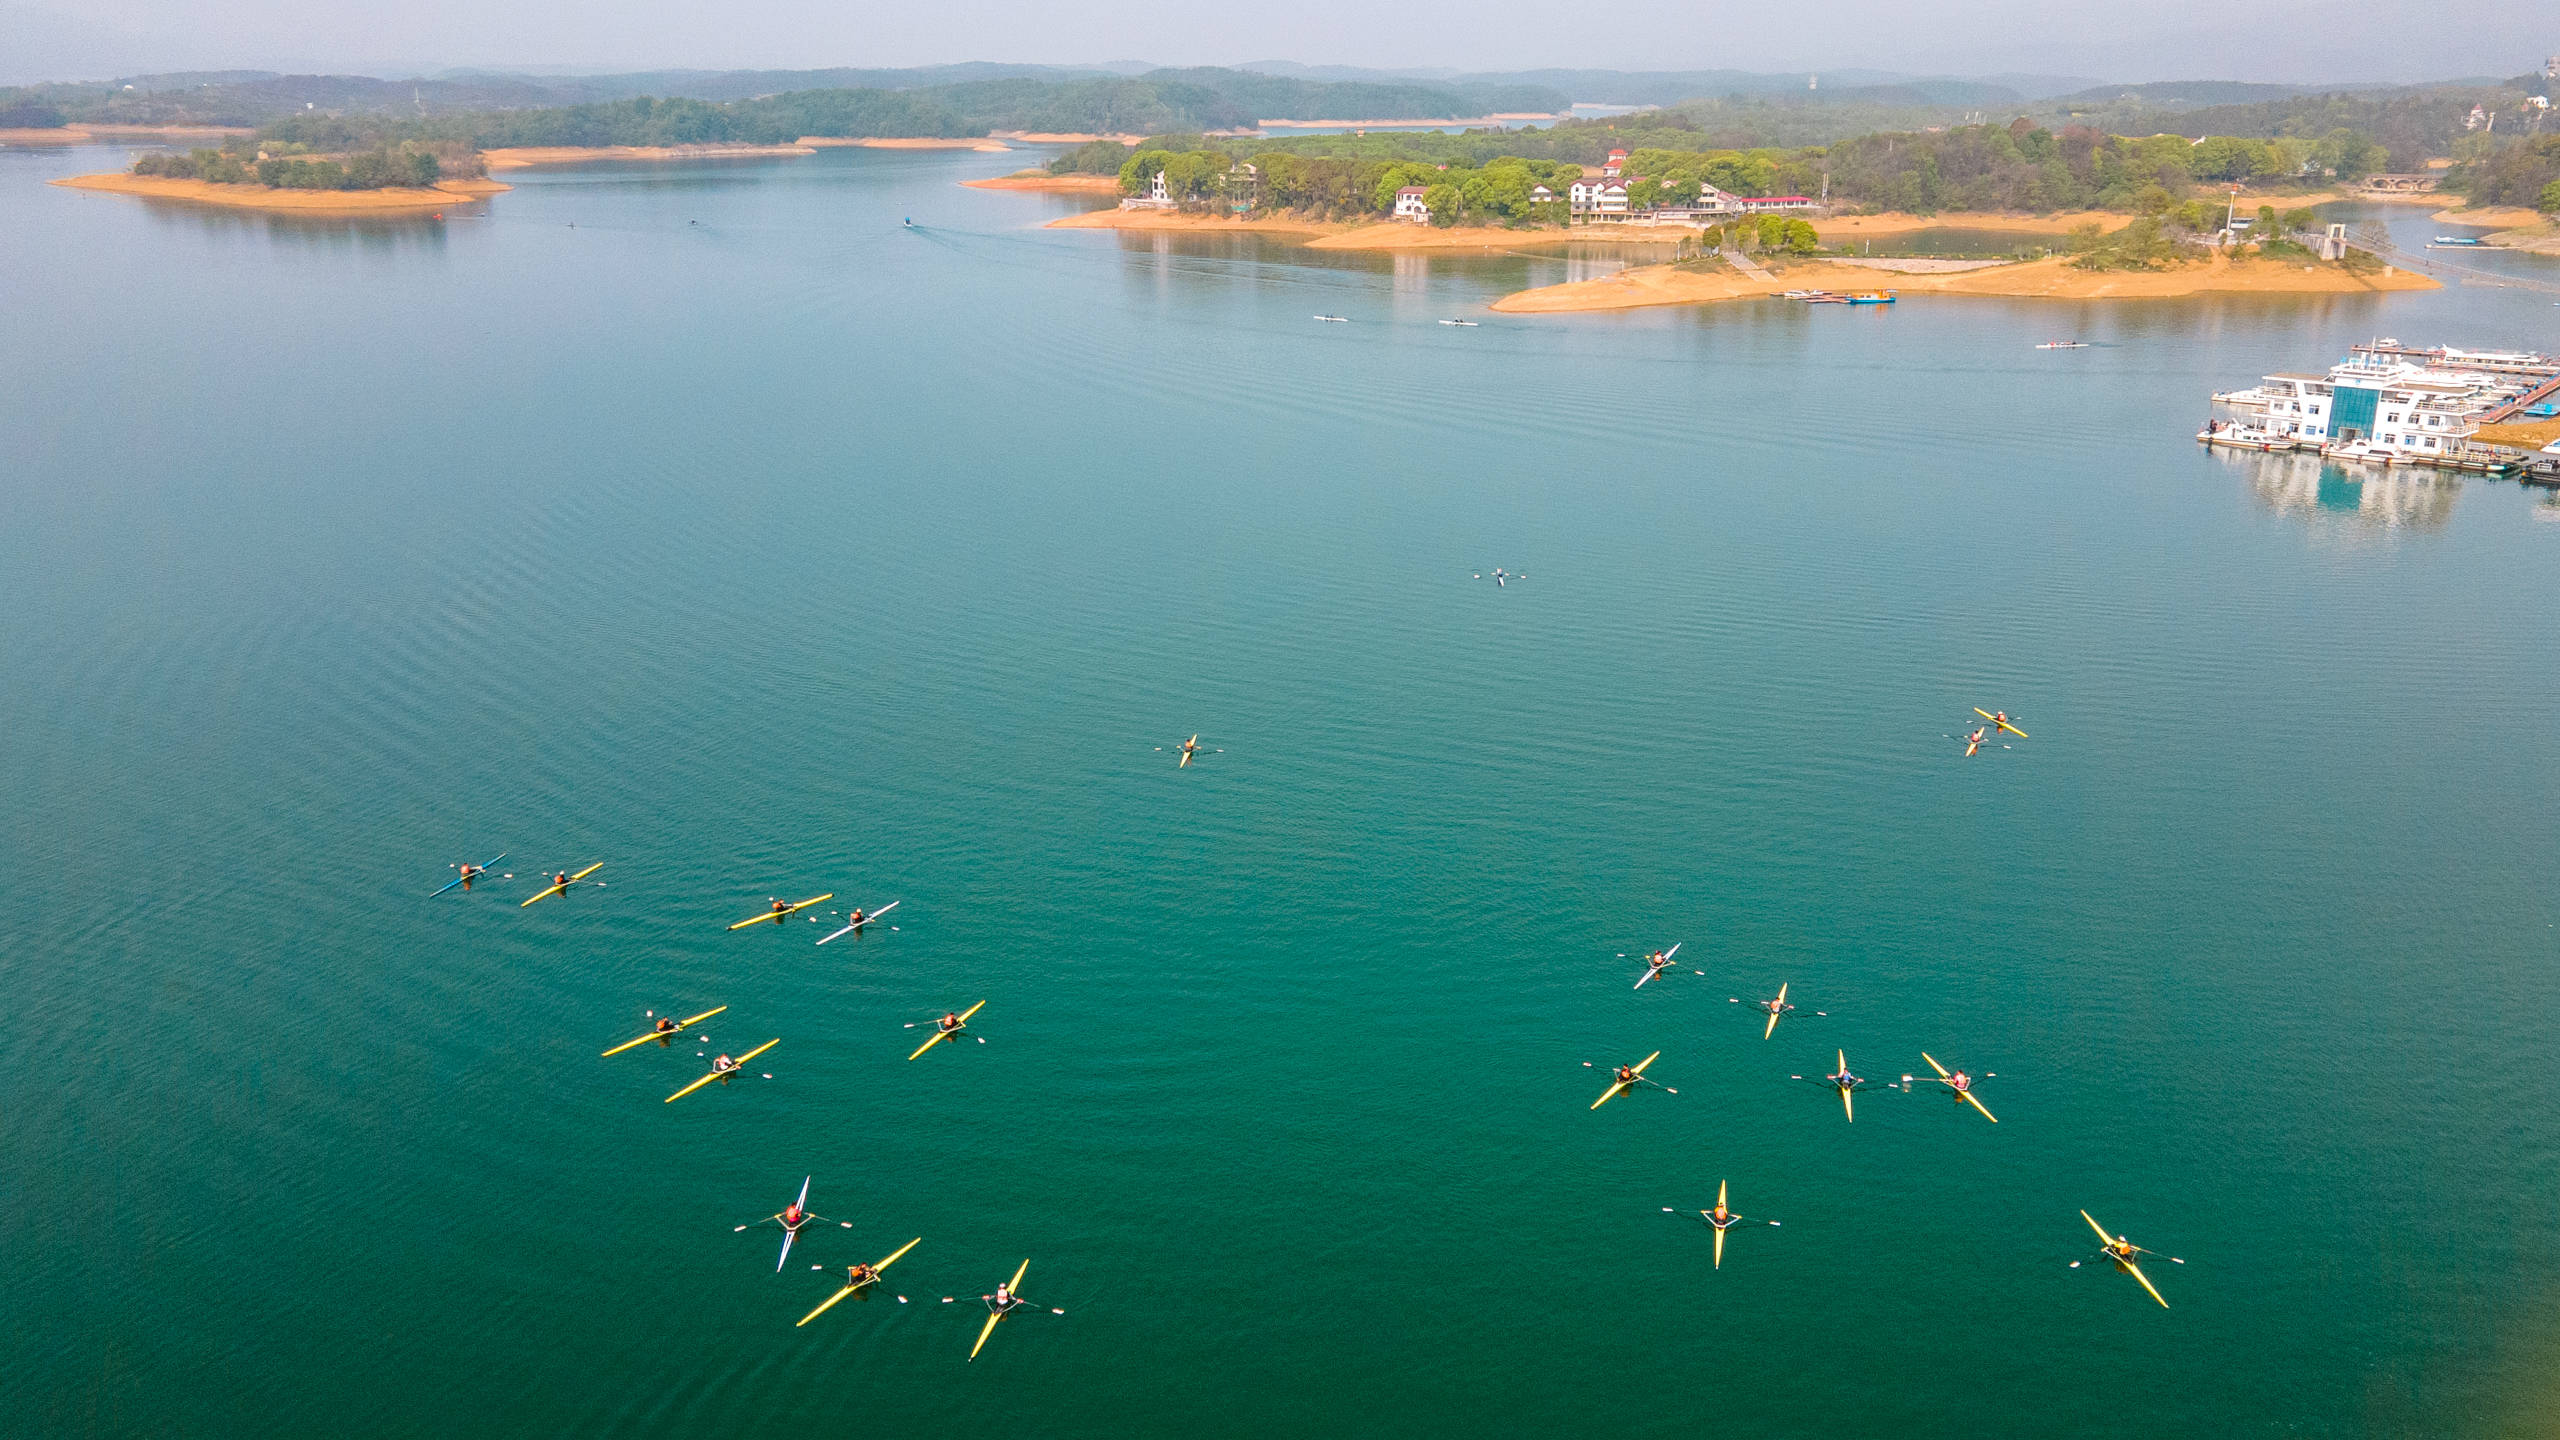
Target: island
[(388, 198)]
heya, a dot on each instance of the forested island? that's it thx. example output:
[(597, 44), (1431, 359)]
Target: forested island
[(2146, 151)]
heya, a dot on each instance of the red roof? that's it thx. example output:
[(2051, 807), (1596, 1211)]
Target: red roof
[(1413, 190)]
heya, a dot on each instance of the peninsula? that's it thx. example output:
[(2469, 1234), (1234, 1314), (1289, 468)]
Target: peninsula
[(389, 199)]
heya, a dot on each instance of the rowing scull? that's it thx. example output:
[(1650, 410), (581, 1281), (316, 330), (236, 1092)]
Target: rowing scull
[(680, 1027), (865, 920), (717, 1073), (940, 1034), (557, 886), (781, 910), (470, 873)]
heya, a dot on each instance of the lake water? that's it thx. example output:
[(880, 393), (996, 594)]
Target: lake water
[(712, 524)]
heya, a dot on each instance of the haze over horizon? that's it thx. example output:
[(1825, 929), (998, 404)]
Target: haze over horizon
[(2293, 41)]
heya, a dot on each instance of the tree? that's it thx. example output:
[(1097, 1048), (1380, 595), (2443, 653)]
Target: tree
[(1447, 205), (2550, 201)]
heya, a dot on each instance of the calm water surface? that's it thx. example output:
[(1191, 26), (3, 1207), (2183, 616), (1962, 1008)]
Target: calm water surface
[(712, 524)]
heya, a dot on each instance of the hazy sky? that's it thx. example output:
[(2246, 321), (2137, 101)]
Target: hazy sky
[(2297, 40)]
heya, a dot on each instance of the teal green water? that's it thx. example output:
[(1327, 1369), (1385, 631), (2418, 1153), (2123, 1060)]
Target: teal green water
[(794, 550)]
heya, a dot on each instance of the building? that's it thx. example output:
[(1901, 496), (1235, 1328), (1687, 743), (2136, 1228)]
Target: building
[(1590, 199), (1773, 204), (2376, 405), (1409, 204), (1616, 167), (1156, 198)]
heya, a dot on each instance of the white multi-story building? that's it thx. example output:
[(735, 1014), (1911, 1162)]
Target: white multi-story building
[(2361, 409), (1599, 198), (1409, 204)]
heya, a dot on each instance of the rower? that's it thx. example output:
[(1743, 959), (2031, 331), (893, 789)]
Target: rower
[(780, 909), (1973, 741), (1720, 1217), (1658, 960), (471, 872), (949, 1024), (1626, 1075), (723, 1065), (1844, 1079), (793, 1217), (1960, 1082), (857, 917), (666, 1025), (560, 881), (1004, 1299), (859, 1275)]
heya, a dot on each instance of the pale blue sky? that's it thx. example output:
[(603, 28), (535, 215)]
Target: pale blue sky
[(2291, 40)]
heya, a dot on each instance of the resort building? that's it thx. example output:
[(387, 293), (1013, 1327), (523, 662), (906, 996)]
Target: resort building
[(2379, 405), (1616, 167), (1156, 198), (1601, 199), (1775, 205), (1409, 204)]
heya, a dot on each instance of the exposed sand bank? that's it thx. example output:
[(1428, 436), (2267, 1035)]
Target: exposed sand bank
[(2539, 239), (828, 142), (2496, 217), (2531, 435), (2052, 279), (1043, 180), (262, 197), (1062, 137), (1870, 227), (523, 157), (1359, 235)]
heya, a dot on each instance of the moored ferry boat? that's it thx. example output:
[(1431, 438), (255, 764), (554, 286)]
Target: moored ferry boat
[(2383, 405)]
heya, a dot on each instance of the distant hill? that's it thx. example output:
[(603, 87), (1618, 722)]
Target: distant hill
[(1026, 97), (2184, 92)]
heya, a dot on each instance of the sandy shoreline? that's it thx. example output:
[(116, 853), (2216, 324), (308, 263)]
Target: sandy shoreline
[(1177, 220), (2496, 217), (1869, 227), (1357, 235), (834, 142), (1062, 184), (1061, 137), (2529, 435), (2049, 279), (261, 197)]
